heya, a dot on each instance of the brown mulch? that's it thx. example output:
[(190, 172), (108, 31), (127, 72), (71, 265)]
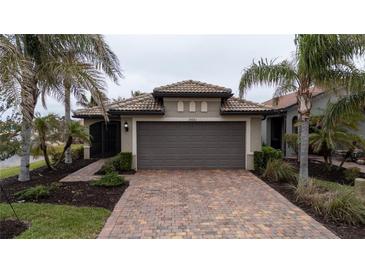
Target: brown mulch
[(320, 171), (70, 193), (11, 228), (342, 230)]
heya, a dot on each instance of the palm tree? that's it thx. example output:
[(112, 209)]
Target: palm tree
[(88, 102), (30, 67), (46, 131), (345, 107), (319, 60), (76, 130), (79, 72), (325, 140), (136, 93)]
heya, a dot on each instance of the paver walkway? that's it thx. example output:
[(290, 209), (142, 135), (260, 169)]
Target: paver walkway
[(85, 174), (206, 204)]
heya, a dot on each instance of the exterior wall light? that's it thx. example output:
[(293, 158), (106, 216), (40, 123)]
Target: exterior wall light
[(126, 126)]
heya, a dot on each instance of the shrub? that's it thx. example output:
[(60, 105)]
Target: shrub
[(33, 193), (333, 201), (261, 158), (258, 161), (271, 153), (77, 152), (110, 179), (278, 170), (352, 173), (108, 166), (125, 161)]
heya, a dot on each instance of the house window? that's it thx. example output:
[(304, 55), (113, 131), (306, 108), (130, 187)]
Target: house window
[(294, 124), (192, 107), (204, 106), (180, 106)]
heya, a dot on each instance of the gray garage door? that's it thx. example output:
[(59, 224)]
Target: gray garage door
[(190, 145)]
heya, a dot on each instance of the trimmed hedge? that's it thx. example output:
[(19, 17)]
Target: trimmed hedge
[(120, 163), (261, 158), (125, 161)]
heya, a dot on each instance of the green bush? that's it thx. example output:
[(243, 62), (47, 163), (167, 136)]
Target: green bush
[(110, 179), (278, 170), (258, 161), (261, 158), (107, 167), (333, 201), (126, 161), (77, 152), (121, 162), (352, 173), (33, 193)]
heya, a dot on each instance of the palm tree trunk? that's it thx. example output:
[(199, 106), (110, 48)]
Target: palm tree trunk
[(304, 147), (28, 97), (45, 155), (68, 155), (26, 132), (67, 145), (304, 108)]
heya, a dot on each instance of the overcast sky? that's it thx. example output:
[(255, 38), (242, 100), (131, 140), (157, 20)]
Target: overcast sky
[(149, 61)]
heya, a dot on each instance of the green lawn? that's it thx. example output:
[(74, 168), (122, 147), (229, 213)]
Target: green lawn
[(57, 221), (12, 171)]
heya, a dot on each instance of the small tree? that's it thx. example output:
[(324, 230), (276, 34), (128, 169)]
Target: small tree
[(76, 130), (136, 93), (47, 131), (9, 137), (324, 140)]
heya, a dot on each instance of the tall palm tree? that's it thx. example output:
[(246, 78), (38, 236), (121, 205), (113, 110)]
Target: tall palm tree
[(80, 71), (30, 66), (320, 60)]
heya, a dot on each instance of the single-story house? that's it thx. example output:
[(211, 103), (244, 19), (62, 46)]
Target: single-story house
[(283, 120), (187, 124)]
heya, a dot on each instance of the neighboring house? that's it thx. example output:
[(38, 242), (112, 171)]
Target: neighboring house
[(283, 121), (187, 124)]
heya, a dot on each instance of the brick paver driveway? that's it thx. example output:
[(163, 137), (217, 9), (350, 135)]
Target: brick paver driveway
[(206, 204)]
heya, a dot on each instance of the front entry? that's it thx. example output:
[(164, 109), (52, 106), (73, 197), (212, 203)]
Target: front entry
[(105, 139), (277, 126)]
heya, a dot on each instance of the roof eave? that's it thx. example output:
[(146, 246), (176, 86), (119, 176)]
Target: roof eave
[(249, 112), (137, 112), (193, 94)]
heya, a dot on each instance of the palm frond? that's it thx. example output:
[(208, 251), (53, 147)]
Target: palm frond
[(346, 107), (267, 72)]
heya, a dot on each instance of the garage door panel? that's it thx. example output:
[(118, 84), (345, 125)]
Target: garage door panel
[(190, 144)]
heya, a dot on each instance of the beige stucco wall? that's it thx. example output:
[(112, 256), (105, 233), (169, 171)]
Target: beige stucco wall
[(255, 140), (170, 105)]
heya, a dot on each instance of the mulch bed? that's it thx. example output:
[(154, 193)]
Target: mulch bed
[(319, 171), (343, 231), (43, 174), (70, 193), (11, 228)]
